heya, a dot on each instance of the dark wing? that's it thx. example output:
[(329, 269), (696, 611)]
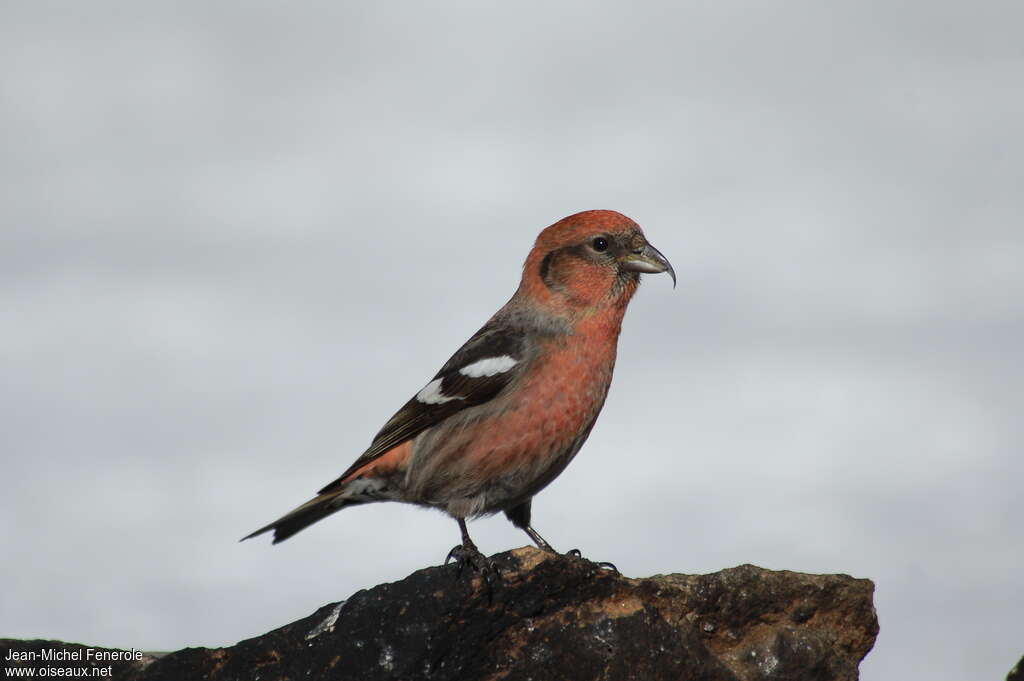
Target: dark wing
[(478, 372)]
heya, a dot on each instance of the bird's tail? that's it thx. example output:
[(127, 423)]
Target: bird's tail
[(365, 482), (298, 519)]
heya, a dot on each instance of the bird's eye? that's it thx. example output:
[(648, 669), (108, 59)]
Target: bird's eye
[(600, 244)]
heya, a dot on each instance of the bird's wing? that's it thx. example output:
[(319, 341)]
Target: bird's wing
[(478, 372)]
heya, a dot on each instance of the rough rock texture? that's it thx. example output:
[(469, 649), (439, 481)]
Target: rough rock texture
[(554, 618)]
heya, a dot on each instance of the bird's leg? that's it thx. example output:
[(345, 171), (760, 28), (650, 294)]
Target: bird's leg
[(575, 553), (467, 553), (520, 517), (539, 540)]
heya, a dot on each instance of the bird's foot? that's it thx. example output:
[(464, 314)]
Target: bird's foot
[(471, 556), (604, 565)]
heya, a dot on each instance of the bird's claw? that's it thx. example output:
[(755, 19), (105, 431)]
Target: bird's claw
[(471, 556), (604, 565), (455, 554)]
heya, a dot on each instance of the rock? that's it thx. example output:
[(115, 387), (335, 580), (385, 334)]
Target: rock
[(1017, 673), (555, 617)]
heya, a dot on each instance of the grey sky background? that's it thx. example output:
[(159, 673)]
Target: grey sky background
[(237, 237)]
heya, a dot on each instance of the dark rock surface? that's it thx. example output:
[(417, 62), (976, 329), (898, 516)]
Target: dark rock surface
[(1017, 673), (552, 618)]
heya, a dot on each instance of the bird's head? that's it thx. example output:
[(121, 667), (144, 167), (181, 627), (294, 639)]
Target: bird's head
[(590, 258)]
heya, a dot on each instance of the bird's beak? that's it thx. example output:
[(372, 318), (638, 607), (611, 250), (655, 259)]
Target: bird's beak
[(648, 260)]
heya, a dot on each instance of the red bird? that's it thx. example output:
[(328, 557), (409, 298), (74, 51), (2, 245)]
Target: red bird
[(507, 413)]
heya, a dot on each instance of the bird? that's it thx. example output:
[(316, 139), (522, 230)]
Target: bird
[(511, 408)]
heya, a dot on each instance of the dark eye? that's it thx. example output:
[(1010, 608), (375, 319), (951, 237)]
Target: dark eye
[(600, 244)]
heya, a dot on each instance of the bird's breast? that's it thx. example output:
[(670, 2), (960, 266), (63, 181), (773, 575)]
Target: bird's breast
[(564, 391), (520, 441)]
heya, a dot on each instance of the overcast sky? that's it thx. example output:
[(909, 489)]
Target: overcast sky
[(237, 237)]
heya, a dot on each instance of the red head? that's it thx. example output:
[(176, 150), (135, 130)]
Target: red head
[(590, 259)]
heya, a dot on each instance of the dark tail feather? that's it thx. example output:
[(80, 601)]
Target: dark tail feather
[(302, 517)]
